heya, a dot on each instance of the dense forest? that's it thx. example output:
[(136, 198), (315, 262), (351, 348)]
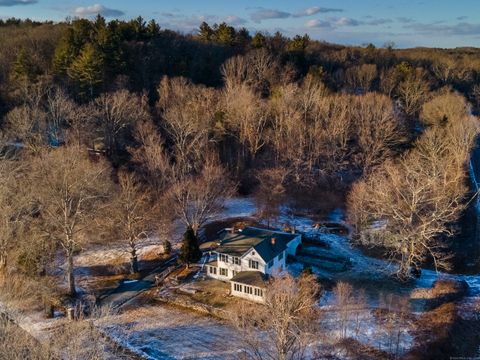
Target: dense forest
[(113, 131), (184, 119)]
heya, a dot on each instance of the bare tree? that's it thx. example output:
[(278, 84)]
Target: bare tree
[(133, 214), (289, 135), (443, 108), (153, 161), (61, 112), (270, 193), (389, 81), (351, 305), (394, 320), (256, 70), (188, 111), (332, 131), (27, 126), (285, 325), (360, 78), (378, 129), (413, 92), (345, 301), (247, 115), (42, 117), (444, 69), (417, 198), (197, 198), (10, 208), (117, 111), (70, 190)]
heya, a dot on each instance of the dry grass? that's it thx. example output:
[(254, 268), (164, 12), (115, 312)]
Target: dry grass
[(356, 350), (214, 293), (442, 289), (27, 294), (16, 344), (443, 334)]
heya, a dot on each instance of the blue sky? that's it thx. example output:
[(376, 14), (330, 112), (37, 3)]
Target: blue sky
[(437, 23)]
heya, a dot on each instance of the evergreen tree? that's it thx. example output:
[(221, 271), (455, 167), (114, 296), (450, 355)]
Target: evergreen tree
[(167, 247), (259, 40), (24, 67), (224, 34), (190, 251), (242, 38), (65, 53), (205, 32), (153, 29), (86, 71), (299, 43)]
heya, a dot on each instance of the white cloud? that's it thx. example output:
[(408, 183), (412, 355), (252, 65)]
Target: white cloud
[(234, 20), (266, 14), (462, 28), (333, 22), (344, 21), (317, 23), (17, 2), (92, 10), (188, 23), (315, 10)]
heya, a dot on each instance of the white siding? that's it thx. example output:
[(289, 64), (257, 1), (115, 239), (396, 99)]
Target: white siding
[(247, 295), (278, 264), (253, 255), (292, 245)]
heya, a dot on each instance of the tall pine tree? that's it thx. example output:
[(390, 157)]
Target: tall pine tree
[(86, 71), (24, 68), (190, 251)]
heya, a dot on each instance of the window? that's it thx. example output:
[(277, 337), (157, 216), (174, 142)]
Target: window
[(258, 292), (248, 290), (236, 260), (213, 270), (270, 263), (280, 257), (224, 258), (252, 264), (234, 272), (223, 272), (237, 287)]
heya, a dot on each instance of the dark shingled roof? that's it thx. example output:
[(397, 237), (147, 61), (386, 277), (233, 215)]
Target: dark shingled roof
[(239, 243), (253, 278)]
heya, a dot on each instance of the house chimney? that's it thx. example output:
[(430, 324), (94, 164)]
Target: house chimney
[(232, 229), (273, 241)]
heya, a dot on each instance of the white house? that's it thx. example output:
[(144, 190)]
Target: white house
[(247, 257)]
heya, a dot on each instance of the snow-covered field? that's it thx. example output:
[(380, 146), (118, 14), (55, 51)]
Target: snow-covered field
[(162, 332)]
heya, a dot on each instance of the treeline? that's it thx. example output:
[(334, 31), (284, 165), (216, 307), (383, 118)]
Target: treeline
[(95, 56)]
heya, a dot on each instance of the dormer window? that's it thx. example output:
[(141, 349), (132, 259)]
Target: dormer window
[(223, 258)]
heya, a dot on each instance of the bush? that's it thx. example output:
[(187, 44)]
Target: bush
[(443, 289)]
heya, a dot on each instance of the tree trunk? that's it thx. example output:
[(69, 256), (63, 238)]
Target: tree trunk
[(133, 261), (3, 260), (70, 276)]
